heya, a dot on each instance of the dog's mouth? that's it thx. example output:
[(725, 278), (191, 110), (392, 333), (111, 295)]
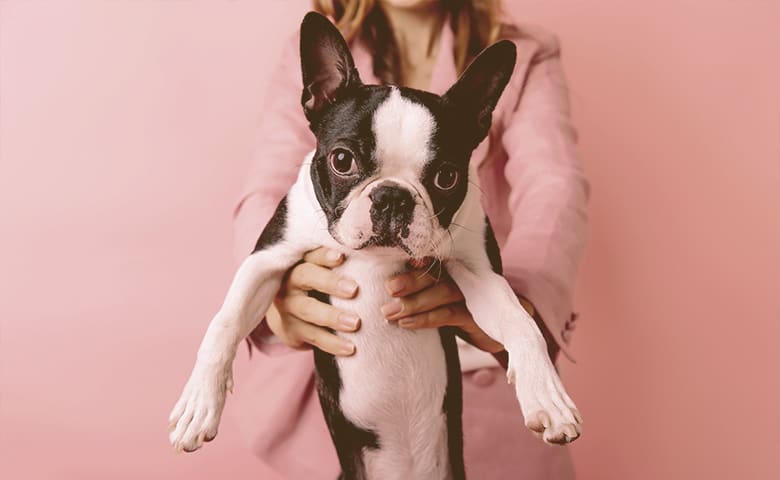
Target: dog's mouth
[(386, 241), (415, 261), (409, 233), (420, 263)]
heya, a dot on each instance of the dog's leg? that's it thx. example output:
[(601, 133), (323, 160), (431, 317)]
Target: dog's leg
[(546, 406), (195, 417)]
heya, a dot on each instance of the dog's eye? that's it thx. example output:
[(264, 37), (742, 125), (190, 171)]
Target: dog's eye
[(446, 178), (342, 162)]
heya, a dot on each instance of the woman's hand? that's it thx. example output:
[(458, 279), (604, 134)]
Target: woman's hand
[(301, 321), (421, 300)]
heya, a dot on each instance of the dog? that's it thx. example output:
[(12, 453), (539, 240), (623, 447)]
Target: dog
[(389, 182)]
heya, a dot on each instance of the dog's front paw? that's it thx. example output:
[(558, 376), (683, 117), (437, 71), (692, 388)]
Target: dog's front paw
[(195, 417), (546, 406)]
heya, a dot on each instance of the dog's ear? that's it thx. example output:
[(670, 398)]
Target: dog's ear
[(477, 91), (327, 66)]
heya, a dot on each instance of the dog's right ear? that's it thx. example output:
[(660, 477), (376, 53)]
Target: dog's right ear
[(327, 66)]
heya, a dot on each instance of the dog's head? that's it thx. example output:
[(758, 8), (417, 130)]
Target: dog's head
[(391, 164)]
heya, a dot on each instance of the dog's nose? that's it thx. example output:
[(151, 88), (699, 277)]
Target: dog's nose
[(389, 197)]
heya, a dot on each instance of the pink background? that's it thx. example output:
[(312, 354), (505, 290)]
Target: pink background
[(126, 127)]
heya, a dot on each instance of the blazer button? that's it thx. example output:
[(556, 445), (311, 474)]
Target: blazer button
[(483, 377), (566, 335)]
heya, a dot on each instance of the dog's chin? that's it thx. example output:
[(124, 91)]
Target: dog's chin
[(410, 243), (394, 247), (388, 246)]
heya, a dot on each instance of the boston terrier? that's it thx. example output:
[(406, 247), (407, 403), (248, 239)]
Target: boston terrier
[(389, 182)]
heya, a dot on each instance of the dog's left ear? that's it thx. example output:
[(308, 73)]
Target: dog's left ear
[(326, 63), (477, 91)]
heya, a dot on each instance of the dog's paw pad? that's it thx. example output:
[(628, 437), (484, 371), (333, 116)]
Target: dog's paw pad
[(538, 422), (549, 411), (195, 418), (563, 434), (197, 425)]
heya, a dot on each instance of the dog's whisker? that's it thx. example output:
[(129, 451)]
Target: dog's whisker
[(477, 185), (437, 214), (464, 228), (452, 241), (427, 271)]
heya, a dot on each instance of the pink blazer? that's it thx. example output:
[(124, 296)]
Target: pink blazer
[(535, 194)]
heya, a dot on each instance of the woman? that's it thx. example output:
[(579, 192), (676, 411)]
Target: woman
[(534, 193)]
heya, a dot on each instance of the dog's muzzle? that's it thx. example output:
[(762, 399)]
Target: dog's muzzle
[(392, 212)]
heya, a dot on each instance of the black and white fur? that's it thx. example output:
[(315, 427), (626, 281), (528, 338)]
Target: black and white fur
[(389, 180)]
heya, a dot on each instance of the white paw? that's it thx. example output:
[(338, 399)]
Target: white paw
[(546, 406), (195, 417)]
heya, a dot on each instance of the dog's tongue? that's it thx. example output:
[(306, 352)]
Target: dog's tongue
[(424, 262)]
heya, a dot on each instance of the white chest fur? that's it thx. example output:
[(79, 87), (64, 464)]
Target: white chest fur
[(395, 383)]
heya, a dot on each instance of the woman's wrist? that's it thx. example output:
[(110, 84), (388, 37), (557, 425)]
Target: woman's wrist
[(527, 306), (263, 332)]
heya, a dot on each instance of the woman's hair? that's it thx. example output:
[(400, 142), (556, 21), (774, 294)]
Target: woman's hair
[(475, 24)]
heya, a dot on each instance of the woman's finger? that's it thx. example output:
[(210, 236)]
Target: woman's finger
[(308, 276), (471, 333), (321, 338), (313, 311), (324, 257), (413, 281), (438, 295), (453, 315)]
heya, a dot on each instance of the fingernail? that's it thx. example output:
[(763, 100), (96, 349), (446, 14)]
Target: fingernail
[(406, 322), (395, 285), (346, 347), (347, 287), (349, 320), (333, 256), (390, 309)]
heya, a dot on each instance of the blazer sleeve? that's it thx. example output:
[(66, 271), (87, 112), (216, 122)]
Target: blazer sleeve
[(282, 141), (276, 403), (548, 195)]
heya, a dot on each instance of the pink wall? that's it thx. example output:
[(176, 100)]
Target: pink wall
[(126, 126)]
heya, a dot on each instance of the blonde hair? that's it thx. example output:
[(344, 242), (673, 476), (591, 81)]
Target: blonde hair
[(475, 24)]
